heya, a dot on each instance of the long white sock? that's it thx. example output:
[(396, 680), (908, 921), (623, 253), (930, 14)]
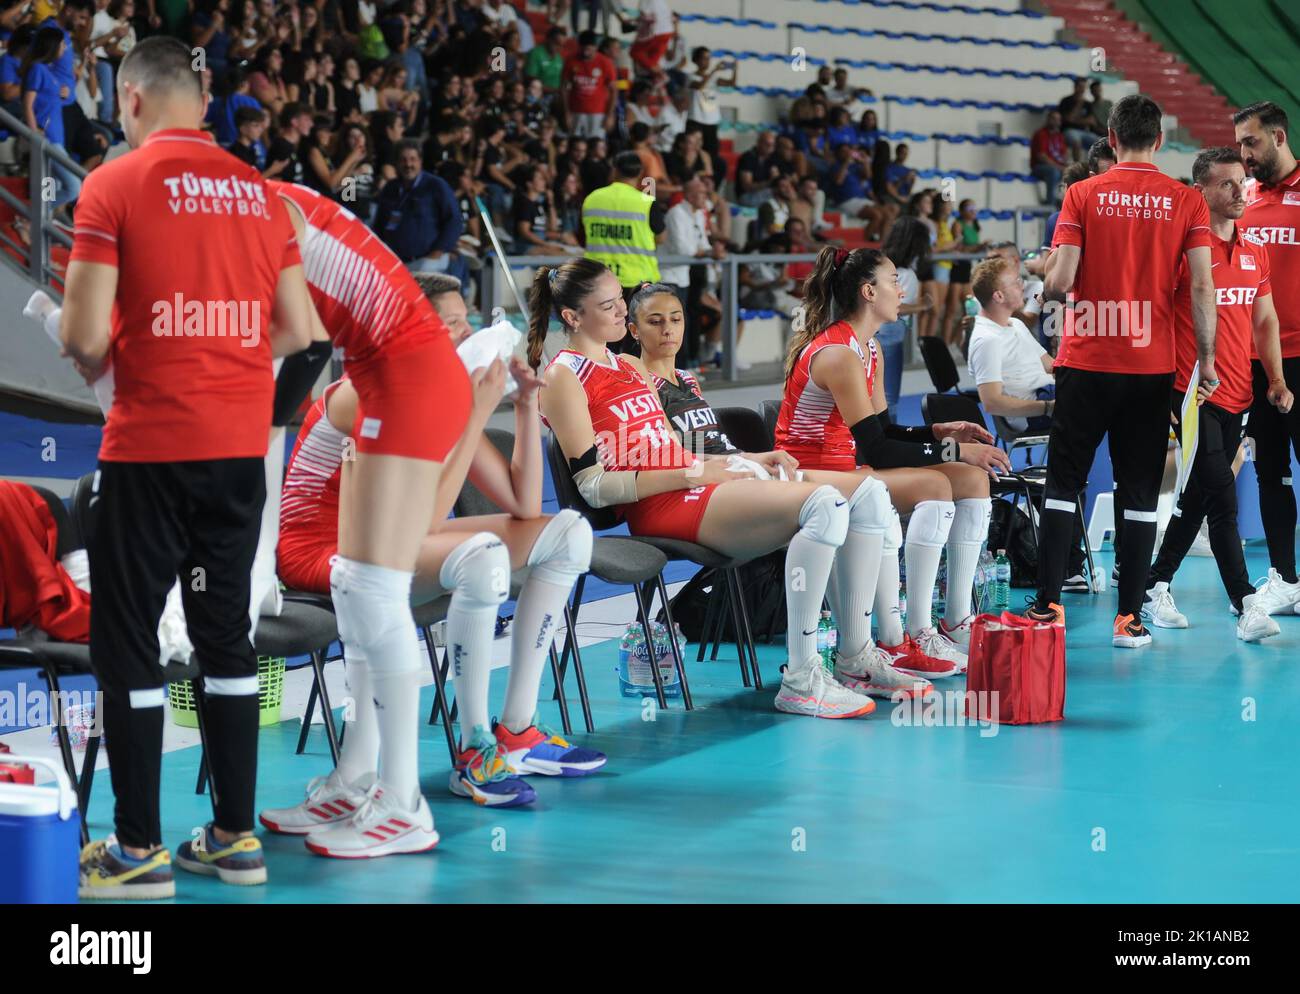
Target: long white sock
[(889, 620), (856, 573), (359, 756), (478, 574), (823, 525), (372, 604), (561, 554), (970, 526), (927, 532)]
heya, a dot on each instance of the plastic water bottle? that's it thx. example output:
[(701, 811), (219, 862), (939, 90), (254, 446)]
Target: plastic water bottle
[(985, 578), (832, 640), (824, 636), (1002, 588)]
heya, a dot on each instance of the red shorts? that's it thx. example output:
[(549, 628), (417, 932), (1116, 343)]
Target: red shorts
[(305, 564), (414, 403), (676, 514), (820, 459)]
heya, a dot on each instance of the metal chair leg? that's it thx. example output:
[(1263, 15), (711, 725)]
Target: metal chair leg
[(331, 733), (678, 661), (440, 694), (559, 688), (747, 634), (706, 630), (1087, 548), (203, 781), (571, 636), (733, 595), (720, 619), (571, 620), (82, 784), (308, 715), (650, 643)]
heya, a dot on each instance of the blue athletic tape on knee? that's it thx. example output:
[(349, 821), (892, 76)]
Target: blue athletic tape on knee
[(478, 572), (970, 520), (562, 551), (930, 523), (870, 510), (824, 517), (373, 608)]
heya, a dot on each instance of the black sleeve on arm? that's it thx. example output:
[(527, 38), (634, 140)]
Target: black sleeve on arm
[(878, 450), (298, 374), (657, 219), (909, 433)]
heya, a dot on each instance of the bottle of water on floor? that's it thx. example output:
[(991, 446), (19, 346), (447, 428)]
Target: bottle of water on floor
[(827, 639), (985, 580), (1002, 587)]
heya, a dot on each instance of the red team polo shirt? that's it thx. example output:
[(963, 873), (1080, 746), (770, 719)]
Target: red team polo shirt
[(199, 246), (1133, 223), (591, 80), (1273, 217), (1241, 274)]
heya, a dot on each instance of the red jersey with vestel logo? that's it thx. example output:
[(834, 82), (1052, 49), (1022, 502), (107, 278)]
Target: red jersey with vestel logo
[(1273, 217), (1241, 274), (590, 81), (809, 426), (1133, 224), (365, 295), (632, 431), (199, 245)]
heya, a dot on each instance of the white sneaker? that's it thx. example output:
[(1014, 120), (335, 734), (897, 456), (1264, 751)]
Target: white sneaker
[(1254, 625), (958, 634), (379, 828), (1274, 595), (870, 673), (1158, 608), (1201, 544), (329, 801), (938, 646), (806, 688)]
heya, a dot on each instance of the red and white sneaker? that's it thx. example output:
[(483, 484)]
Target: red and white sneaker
[(870, 672), (329, 801), (958, 634), (379, 828), (911, 658)]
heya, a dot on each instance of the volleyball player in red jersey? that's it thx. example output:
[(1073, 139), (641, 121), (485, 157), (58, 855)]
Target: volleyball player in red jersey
[(413, 404), (1247, 321), (1109, 292), (555, 549), (833, 417), (181, 482), (622, 451), (1272, 216)]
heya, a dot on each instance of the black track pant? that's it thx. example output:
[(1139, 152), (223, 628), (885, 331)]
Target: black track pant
[(1211, 493), (1276, 435), (153, 522), (1133, 411)]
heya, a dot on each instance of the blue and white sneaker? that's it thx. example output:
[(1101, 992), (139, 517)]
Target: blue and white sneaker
[(483, 775), (537, 749)]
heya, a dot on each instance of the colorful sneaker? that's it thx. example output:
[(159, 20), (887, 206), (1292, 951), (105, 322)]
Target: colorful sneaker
[(537, 749), (1076, 584), (909, 658), (1129, 633), (1274, 595), (870, 673), (379, 828), (958, 634), (239, 862), (329, 801), (109, 874), (807, 689), (1254, 625), (1159, 608), (1053, 615), (483, 775)]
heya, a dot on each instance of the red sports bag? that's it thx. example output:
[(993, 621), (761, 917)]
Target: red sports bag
[(1023, 662)]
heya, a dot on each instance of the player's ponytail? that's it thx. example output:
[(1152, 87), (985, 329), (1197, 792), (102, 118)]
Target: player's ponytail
[(830, 293), (555, 289)]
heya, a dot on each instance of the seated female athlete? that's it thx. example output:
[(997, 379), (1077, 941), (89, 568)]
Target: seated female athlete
[(612, 430), (470, 557), (656, 321), (834, 417)]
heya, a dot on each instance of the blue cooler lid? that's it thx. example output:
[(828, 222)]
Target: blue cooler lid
[(20, 800)]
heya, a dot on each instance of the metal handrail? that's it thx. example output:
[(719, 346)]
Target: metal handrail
[(41, 229)]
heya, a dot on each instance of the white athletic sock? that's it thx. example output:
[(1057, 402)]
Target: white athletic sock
[(927, 532), (853, 590), (538, 613), (970, 525), (804, 591), (470, 630), (889, 622), (359, 756), (397, 712)]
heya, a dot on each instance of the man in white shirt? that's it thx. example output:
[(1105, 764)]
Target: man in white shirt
[(686, 232), (1011, 370), (705, 113), (672, 117)]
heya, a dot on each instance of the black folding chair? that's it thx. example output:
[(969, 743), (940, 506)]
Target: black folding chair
[(940, 365), (770, 411)]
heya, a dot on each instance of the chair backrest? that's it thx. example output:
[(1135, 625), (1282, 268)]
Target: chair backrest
[(937, 407), (771, 410), (471, 500), (83, 515), (745, 428), (938, 363), (1005, 432), (566, 491), (68, 539)]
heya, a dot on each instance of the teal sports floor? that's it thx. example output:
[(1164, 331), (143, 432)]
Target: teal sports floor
[(1156, 788)]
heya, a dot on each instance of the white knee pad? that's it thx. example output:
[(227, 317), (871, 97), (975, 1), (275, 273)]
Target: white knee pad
[(562, 552), (970, 520), (870, 509), (931, 522), (373, 608), (478, 571), (824, 517), (894, 536)]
